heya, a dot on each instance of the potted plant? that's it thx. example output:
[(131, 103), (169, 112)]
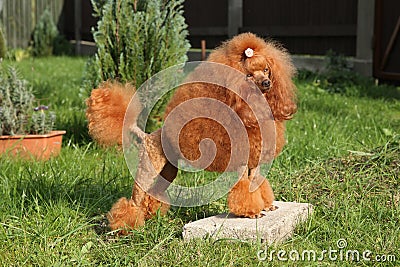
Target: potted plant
[(25, 130)]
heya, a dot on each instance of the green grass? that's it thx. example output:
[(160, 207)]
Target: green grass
[(343, 156)]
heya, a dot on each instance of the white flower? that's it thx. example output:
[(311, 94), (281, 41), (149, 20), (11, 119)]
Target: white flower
[(249, 52)]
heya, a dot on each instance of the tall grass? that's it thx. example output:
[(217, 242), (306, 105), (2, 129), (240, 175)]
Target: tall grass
[(343, 156)]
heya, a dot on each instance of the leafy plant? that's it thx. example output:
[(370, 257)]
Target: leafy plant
[(44, 35), (17, 114), (42, 121), (61, 46), (138, 38), (340, 78), (16, 101), (98, 4), (339, 74), (18, 54)]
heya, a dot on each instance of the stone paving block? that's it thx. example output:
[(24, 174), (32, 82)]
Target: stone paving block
[(274, 227)]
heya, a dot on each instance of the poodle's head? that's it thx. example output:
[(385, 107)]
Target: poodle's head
[(266, 64), (257, 69)]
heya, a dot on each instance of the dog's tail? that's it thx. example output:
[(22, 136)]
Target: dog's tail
[(106, 108)]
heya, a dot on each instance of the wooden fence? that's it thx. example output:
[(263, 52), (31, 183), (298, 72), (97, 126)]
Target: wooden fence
[(387, 40), (303, 26), (19, 17)]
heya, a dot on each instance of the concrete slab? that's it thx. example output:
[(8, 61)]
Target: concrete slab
[(274, 227)]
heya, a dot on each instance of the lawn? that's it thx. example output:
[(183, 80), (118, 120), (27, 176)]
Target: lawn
[(343, 156)]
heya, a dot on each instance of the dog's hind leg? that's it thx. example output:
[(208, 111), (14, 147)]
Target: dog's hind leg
[(154, 173), (156, 198)]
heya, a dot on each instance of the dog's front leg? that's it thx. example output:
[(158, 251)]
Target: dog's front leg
[(260, 183), (241, 200)]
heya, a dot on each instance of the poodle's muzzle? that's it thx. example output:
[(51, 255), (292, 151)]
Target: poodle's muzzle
[(265, 85), (263, 81)]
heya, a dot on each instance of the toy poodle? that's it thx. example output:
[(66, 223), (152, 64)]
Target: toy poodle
[(263, 63)]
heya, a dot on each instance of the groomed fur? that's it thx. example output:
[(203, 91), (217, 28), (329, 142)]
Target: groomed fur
[(126, 215), (107, 106), (246, 201), (281, 98), (242, 202), (105, 112)]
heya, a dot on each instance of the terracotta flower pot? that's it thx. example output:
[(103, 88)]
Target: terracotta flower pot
[(40, 147)]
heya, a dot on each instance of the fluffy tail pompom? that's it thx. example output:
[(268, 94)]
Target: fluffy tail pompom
[(105, 112)]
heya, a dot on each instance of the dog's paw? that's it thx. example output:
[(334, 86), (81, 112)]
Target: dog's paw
[(270, 208), (152, 205), (125, 215), (244, 203), (267, 195), (255, 216), (273, 207)]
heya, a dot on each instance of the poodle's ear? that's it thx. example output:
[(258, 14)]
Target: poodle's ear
[(282, 96)]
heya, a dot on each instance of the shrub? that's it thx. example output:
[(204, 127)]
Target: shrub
[(98, 4), (62, 47), (136, 39), (17, 112), (18, 54), (44, 35), (338, 69), (338, 76)]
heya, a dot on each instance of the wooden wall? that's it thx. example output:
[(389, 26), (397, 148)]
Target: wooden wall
[(303, 26)]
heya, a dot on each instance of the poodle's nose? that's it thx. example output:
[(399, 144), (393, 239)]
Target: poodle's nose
[(266, 83)]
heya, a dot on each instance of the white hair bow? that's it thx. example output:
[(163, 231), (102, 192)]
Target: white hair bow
[(249, 52)]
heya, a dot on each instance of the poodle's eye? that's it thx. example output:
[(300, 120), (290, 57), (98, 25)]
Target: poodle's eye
[(249, 75), (266, 70)]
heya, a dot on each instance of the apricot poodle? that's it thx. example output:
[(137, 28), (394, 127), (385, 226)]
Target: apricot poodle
[(263, 63)]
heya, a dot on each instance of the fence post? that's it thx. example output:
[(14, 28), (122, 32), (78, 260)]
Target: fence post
[(235, 16), (78, 25), (365, 31), (33, 12), (203, 50)]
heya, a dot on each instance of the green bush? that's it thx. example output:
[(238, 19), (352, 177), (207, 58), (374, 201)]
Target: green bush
[(44, 35), (136, 39), (62, 47), (98, 4)]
